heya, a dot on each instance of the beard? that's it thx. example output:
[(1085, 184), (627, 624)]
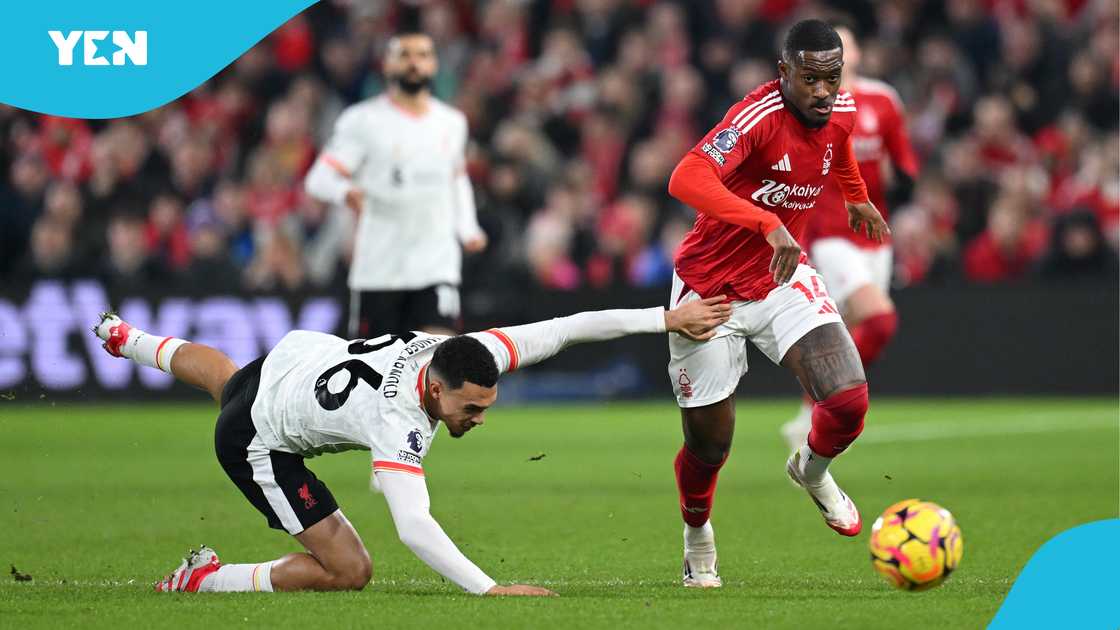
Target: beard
[(412, 85)]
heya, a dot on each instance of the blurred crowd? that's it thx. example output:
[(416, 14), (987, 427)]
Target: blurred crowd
[(579, 110)]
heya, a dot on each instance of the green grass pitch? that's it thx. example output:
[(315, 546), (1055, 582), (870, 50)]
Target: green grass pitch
[(97, 502)]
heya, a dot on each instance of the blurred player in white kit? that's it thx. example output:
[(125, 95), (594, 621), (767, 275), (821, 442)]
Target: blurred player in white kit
[(398, 161)]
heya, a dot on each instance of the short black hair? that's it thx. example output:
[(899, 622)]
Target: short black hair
[(464, 359), (810, 35)]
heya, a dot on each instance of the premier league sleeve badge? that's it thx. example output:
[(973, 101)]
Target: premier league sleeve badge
[(725, 140)]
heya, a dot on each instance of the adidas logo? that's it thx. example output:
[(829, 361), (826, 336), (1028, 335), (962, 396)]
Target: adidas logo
[(782, 165)]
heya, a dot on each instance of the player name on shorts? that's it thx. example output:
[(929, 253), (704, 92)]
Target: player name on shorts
[(774, 194), (390, 386)]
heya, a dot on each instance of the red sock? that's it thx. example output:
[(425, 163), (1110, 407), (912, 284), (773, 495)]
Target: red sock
[(696, 482), (873, 334), (838, 421)]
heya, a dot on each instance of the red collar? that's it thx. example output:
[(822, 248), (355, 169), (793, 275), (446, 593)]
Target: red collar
[(420, 384)]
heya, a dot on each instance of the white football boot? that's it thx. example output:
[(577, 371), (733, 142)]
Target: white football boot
[(837, 509), (194, 568), (701, 566)]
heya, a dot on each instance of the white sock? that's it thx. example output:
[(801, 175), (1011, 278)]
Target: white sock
[(813, 466), (151, 350), (237, 578), (701, 538)]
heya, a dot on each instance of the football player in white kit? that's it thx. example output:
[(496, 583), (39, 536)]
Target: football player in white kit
[(398, 161), (315, 393)]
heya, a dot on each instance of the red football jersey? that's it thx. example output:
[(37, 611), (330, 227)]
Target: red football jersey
[(879, 138), (764, 154)]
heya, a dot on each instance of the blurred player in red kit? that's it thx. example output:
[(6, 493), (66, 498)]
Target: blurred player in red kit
[(754, 181), (857, 269)]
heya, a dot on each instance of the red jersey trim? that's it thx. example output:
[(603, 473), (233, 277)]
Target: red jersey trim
[(407, 112), (511, 348), (420, 383), (159, 350), (388, 466), (335, 164)]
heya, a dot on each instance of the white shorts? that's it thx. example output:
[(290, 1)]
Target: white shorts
[(846, 267), (707, 372)]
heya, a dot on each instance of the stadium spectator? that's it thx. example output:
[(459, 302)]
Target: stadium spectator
[(1007, 248), (596, 97), (210, 254), (127, 265), (1078, 251), (166, 233), (50, 254)]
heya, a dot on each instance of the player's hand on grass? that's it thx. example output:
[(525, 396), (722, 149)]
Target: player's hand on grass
[(698, 320), (865, 218), (787, 254), (354, 199), (523, 590)]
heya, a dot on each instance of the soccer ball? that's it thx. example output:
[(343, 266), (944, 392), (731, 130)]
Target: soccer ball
[(916, 544)]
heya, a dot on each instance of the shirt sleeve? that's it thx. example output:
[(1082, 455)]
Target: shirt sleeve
[(346, 149), (409, 505), (743, 127), (330, 176), (516, 346), (897, 141), (466, 213), (399, 445), (845, 171), (696, 183), (325, 183)]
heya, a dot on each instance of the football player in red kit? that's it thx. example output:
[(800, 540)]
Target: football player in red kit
[(857, 269), (754, 180)]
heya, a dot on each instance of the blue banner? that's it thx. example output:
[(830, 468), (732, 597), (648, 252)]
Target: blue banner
[(1068, 582), (84, 59)]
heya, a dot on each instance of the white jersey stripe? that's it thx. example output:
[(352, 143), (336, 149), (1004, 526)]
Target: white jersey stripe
[(755, 106), (261, 463), (749, 124)]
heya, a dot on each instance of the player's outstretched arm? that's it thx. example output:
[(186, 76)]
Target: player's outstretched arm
[(407, 495), (698, 320), (515, 346)]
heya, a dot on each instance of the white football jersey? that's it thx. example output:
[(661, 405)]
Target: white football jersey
[(418, 200), (319, 393)]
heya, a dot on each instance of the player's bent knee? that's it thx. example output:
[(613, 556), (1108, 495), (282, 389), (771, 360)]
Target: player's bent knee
[(356, 581), (354, 576), (709, 452), (851, 404), (708, 431)]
